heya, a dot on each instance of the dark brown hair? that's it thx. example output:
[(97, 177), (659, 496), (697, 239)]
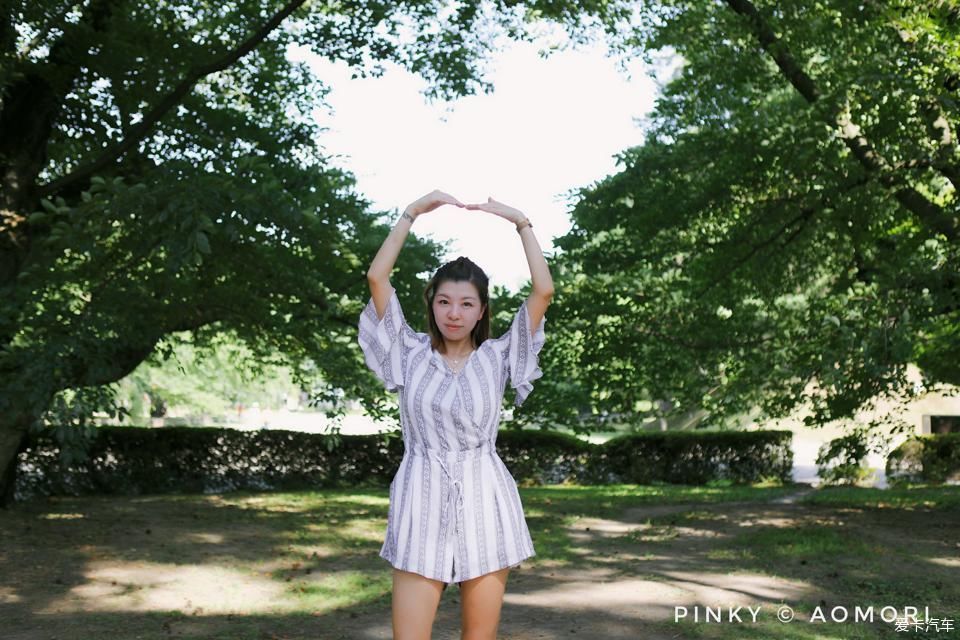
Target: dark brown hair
[(462, 269)]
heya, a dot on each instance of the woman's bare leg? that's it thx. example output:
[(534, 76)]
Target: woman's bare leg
[(415, 602), (482, 601)]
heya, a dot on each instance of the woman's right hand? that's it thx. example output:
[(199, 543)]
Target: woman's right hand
[(431, 201)]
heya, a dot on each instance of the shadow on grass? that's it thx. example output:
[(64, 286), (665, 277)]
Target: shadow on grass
[(898, 548), (612, 562)]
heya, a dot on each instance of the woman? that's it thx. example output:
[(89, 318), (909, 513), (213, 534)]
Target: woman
[(455, 513)]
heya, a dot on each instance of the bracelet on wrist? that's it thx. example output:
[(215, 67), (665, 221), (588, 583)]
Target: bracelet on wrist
[(524, 223), (408, 217)]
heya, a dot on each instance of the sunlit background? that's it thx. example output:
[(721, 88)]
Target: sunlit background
[(550, 123)]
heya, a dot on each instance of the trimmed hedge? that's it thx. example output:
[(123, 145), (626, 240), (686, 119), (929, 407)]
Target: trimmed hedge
[(932, 459), (131, 460), (691, 457)]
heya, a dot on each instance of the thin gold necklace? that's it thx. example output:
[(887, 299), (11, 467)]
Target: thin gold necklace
[(457, 361)]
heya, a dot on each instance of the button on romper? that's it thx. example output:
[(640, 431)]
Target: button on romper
[(455, 512)]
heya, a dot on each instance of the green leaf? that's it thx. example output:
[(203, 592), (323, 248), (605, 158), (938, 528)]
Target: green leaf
[(203, 243)]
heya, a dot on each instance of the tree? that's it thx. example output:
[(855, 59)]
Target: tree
[(787, 234), (160, 174)]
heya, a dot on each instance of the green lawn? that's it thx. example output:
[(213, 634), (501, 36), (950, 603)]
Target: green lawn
[(305, 565)]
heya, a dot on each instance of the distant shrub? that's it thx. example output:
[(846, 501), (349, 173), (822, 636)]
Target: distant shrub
[(931, 459), (843, 460)]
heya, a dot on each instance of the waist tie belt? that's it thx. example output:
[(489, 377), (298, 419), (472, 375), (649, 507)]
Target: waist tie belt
[(444, 456)]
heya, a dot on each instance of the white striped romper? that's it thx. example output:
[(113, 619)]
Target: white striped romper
[(455, 512)]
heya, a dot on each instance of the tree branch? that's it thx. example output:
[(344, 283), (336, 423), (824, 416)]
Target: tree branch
[(805, 215), (124, 359), (28, 113), (139, 131), (938, 127), (649, 326), (929, 213)]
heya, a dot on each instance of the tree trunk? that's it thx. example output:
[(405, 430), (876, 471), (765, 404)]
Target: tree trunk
[(12, 434)]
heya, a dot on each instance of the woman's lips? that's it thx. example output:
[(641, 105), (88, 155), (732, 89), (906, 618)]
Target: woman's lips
[(453, 326)]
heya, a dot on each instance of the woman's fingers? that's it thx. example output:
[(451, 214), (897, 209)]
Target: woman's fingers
[(449, 199), (497, 208), (490, 205), (434, 199)]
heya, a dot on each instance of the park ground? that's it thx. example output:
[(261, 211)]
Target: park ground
[(612, 562)]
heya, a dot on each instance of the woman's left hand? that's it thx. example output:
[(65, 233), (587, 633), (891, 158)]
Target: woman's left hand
[(500, 209)]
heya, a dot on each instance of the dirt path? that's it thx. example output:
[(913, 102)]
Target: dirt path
[(122, 568), (627, 590)]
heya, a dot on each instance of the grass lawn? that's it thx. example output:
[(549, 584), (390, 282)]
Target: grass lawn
[(612, 562)]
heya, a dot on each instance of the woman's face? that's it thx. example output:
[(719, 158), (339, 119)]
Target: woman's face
[(457, 308)]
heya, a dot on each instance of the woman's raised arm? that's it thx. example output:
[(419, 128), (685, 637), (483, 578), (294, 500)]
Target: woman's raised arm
[(541, 282), (378, 274)]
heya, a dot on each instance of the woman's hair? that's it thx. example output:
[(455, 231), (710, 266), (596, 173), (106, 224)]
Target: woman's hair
[(459, 270)]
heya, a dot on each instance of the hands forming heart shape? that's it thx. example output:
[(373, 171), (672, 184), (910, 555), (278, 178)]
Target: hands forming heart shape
[(437, 198)]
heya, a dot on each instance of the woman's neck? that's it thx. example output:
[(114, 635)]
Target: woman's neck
[(457, 348)]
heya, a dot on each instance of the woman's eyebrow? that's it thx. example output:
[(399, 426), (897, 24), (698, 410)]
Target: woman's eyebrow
[(443, 295)]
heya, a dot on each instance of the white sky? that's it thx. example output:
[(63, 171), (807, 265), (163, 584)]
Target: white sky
[(551, 125)]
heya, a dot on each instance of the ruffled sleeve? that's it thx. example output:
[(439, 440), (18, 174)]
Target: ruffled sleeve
[(523, 353), (381, 340)]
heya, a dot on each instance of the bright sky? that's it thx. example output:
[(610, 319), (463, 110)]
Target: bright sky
[(550, 126)]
